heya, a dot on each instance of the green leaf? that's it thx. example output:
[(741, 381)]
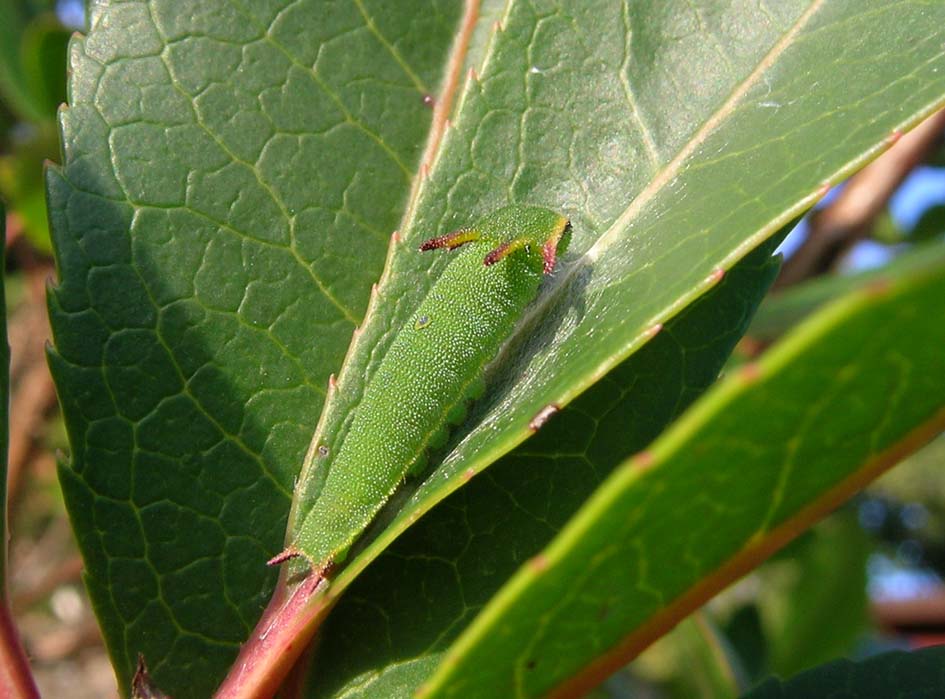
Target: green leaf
[(22, 182), (231, 179), (692, 660), (13, 84), (815, 598), (898, 675), (32, 63), (464, 550), (667, 182), (930, 225), (749, 642), (760, 457), (781, 312), (43, 51)]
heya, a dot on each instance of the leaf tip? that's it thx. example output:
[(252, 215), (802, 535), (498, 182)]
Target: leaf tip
[(142, 686)]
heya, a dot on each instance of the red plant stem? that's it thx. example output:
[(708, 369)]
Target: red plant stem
[(283, 632), (16, 680)]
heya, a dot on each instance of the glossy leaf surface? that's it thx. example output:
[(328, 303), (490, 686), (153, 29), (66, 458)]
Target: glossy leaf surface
[(833, 405)]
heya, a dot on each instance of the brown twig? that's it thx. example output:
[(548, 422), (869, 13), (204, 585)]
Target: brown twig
[(14, 227), (16, 679), (32, 399), (851, 216), (31, 387), (925, 612)]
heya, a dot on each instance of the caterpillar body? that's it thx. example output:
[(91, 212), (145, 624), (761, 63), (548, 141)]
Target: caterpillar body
[(433, 368)]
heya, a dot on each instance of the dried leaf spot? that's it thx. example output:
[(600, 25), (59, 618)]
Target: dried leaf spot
[(642, 461), (716, 276), (542, 416), (653, 330), (878, 288), (751, 372)]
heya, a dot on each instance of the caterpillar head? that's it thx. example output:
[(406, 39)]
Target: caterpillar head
[(534, 229)]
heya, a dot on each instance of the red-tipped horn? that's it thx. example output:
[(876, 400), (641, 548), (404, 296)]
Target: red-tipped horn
[(450, 240)]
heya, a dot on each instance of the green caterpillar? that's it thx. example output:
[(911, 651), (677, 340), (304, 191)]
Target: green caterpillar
[(433, 367)]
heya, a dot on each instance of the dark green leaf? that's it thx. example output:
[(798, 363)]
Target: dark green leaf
[(43, 51), (233, 172), (14, 86), (897, 675), (754, 462), (692, 660), (815, 598), (930, 225), (780, 312)]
